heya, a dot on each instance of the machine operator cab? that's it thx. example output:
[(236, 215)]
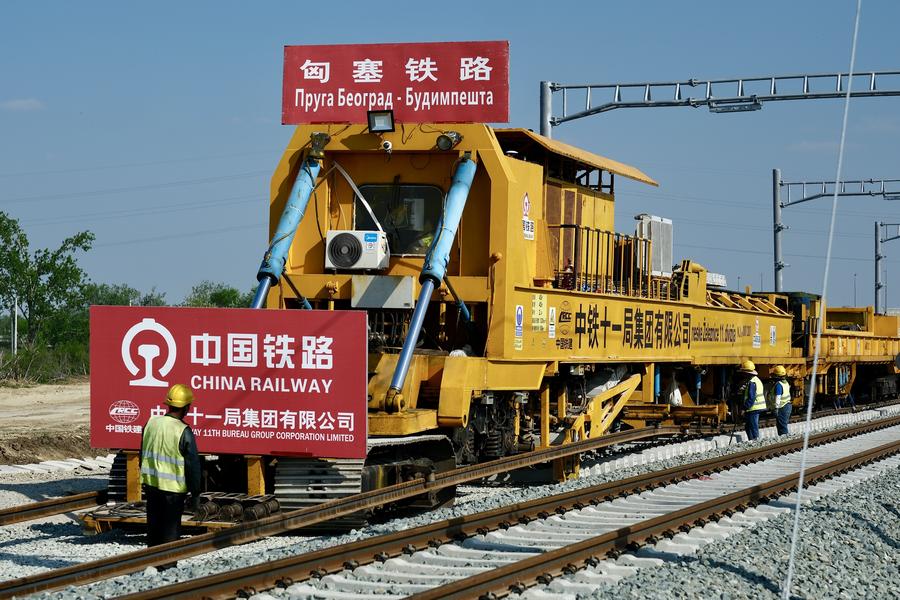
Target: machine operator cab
[(407, 212)]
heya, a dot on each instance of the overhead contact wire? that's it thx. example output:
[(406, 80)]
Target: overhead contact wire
[(786, 589)]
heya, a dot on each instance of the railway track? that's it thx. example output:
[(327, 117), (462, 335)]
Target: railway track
[(36, 510), (55, 506), (133, 561), (583, 548), (590, 521), (799, 414), (298, 519)]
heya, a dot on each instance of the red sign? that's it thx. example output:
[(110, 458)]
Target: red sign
[(285, 382), (432, 82)]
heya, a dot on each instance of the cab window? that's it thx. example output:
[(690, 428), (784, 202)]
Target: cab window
[(408, 214)]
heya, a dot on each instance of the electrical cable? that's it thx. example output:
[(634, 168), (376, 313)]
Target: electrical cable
[(786, 588), (136, 212), (764, 253), (180, 235), (133, 165), (148, 186)]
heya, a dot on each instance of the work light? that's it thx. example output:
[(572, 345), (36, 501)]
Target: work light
[(381, 121)]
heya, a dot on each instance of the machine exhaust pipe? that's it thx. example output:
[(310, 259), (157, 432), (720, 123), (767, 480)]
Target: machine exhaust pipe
[(275, 258), (433, 272)]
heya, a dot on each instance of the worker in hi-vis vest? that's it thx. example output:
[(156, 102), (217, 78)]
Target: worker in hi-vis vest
[(754, 399), (170, 467), (781, 399)]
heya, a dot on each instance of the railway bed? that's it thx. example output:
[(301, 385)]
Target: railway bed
[(87, 500), (657, 453), (109, 588), (298, 519), (551, 535)]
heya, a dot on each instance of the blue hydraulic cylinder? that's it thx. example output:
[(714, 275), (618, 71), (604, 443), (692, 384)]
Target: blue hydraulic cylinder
[(409, 345), (657, 383), (434, 269), (274, 259), (438, 256), (698, 382), (464, 313)]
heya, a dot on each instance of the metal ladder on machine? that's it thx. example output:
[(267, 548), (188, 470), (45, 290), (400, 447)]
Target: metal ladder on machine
[(719, 95)]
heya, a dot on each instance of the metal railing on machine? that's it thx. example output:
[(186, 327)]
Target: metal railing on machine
[(602, 262)]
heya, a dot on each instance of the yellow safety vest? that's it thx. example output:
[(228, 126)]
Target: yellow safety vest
[(759, 402), (162, 465), (785, 398)]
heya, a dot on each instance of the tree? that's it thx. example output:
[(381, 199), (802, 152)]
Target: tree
[(219, 295), (73, 323), (120, 295), (44, 282)]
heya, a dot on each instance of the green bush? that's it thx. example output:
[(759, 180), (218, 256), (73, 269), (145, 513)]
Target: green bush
[(42, 364)]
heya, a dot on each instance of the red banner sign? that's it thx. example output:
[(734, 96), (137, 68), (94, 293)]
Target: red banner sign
[(286, 382), (431, 82)]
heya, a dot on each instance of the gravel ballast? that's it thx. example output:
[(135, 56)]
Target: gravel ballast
[(478, 499), (848, 549)]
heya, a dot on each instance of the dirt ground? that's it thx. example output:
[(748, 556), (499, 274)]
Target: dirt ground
[(45, 422)]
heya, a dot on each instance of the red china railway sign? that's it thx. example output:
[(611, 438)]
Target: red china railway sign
[(285, 382), (428, 82)]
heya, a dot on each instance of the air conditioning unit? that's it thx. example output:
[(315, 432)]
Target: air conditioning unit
[(659, 231), (356, 250), (716, 280)]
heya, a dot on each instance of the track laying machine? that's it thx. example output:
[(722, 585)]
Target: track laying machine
[(504, 311)]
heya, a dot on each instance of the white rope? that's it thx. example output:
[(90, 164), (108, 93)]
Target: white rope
[(359, 195), (786, 589)]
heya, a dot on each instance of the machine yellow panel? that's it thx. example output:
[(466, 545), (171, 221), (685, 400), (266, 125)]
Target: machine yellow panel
[(615, 329), (578, 154)]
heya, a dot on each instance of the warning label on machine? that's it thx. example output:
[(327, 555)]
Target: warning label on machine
[(284, 382)]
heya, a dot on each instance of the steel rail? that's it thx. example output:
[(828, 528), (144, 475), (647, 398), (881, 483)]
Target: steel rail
[(768, 418), (247, 532), (54, 506), (516, 576), (284, 572)]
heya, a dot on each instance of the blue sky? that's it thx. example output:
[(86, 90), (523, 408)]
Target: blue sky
[(157, 125)]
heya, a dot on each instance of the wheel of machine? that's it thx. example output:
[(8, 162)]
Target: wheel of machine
[(464, 445)]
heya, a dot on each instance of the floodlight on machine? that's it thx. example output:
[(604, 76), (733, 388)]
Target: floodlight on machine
[(381, 121)]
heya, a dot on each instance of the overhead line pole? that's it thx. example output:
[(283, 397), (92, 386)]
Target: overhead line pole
[(879, 227), (718, 95), (889, 189), (14, 326)]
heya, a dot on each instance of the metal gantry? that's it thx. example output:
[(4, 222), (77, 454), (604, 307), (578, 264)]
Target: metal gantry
[(882, 229), (804, 191), (719, 95)]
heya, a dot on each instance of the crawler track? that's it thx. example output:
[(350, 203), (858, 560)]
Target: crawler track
[(285, 572), (46, 508), (247, 532)]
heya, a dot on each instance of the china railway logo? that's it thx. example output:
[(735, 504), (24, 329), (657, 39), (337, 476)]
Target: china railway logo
[(149, 353), (124, 411)]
